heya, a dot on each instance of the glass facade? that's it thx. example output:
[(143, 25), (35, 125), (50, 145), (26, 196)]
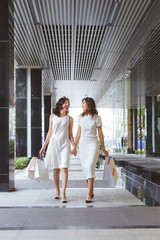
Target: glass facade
[(134, 98)]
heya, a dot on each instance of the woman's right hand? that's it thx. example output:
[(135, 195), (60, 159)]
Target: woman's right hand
[(41, 151)]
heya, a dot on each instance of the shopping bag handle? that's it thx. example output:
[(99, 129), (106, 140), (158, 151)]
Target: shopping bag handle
[(107, 160), (41, 157)]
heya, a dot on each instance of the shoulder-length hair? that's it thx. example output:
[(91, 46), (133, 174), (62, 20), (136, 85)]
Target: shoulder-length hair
[(59, 104), (91, 106)]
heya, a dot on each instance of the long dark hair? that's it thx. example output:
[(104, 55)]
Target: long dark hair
[(59, 104), (91, 106)]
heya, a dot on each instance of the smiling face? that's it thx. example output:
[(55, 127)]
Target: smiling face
[(84, 106), (66, 105)]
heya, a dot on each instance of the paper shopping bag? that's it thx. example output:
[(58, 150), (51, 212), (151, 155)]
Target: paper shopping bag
[(113, 169), (107, 175), (37, 170)]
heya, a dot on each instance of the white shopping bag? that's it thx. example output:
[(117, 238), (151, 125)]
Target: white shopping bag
[(37, 170), (107, 175)]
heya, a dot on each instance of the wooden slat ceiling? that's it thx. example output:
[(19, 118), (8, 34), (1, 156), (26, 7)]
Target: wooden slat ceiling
[(77, 42)]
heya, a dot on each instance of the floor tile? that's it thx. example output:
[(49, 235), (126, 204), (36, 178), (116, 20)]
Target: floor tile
[(33, 213)]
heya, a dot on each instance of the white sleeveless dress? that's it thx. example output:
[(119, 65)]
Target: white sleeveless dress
[(58, 151), (88, 144)]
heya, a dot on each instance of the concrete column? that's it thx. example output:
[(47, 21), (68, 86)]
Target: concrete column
[(28, 112), (36, 108), (153, 124), (135, 130), (21, 112), (149, 142), (130, 142), (47, 113), (6, 95)]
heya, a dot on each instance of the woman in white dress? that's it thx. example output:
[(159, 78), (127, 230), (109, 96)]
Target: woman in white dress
[(59, 137), (88, 123)]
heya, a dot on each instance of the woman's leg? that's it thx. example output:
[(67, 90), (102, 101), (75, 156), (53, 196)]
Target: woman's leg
[(64, 182), (56, 180), (92, 195), (92, 192), (90, 188)]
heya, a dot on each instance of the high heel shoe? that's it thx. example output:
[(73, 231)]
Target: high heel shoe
[(56, 197), (92, 195), (88, 201), (64, 201)]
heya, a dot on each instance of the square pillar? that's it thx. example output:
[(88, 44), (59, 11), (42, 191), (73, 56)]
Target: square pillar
[(6, 95), (149, 146), (28, 112), (21, 112), (47, 113), (36, 111)]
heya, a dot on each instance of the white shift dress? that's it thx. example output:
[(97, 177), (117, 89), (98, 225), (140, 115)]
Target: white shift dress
[(88, 145), (58, 151)]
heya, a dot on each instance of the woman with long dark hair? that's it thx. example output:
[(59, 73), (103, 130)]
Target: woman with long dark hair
[(59, 137), (88, 123)]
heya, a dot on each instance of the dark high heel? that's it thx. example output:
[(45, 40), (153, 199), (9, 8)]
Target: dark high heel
[(92, 195), (88, 201), (56, 197), (64, 201)]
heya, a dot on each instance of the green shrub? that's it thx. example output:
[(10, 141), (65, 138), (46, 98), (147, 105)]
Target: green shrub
[(130, 150), (142, 152), (139, 152), (11, 144), (136, 152), (21, 163)]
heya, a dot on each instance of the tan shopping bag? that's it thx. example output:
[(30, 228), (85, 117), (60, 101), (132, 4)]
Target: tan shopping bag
[(113, 169), (37, 170)]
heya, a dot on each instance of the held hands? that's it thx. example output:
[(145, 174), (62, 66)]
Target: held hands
[(74, 151)]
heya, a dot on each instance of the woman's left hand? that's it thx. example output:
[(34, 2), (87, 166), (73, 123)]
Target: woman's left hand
[(74, 151)]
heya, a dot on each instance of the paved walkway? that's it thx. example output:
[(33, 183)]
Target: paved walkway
[(32, 213)]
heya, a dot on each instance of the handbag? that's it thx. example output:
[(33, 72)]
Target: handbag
[(37, 170), (110, 173)]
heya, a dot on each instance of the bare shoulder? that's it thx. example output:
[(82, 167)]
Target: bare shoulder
[(70, 118), (52, 116)]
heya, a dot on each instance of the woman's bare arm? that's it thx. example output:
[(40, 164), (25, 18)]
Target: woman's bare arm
[(78, 135), (74, 151), (101, 137), (71, 131)]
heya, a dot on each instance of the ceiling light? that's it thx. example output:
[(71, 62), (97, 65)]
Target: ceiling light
[(35, 11), (158, 98), (113, 13), (93, 80)]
